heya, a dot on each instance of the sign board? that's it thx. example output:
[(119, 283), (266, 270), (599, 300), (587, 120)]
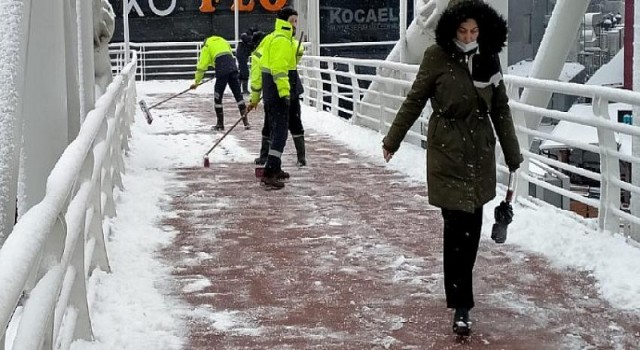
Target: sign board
[(359, 20), (192, 20)]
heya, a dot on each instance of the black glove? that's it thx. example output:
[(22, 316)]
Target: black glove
[(286, 101), (513, 168)]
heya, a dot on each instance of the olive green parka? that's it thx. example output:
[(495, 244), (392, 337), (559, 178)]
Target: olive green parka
[(469, 102)]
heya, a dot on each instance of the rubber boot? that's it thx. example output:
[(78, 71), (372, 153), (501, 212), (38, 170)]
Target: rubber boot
[(220, 118), (298, 141), (271, 181)]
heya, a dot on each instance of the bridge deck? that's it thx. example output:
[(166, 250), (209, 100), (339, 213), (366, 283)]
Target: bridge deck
[(348, 256)]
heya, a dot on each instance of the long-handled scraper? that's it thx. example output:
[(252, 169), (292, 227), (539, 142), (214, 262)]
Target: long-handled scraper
[(206, 155), (146, 110)]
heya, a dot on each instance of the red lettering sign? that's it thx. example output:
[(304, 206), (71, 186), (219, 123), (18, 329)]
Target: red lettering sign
[(209, 6), (276, 6)]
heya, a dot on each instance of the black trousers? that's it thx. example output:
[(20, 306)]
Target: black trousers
[(295, 121), (461, 239), (222, 80), (278, 115)]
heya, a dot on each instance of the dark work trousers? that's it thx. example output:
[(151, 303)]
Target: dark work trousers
[(266, 136), (461, 239), (295, 126), (295, 122), (278, 115), (222, 81)]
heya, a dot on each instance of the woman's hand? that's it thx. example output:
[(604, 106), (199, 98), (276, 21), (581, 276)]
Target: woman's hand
[(386, 154)]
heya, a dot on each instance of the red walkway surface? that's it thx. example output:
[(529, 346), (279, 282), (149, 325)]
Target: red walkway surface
[(349, 256)]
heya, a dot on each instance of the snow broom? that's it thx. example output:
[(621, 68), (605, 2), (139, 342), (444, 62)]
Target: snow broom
[(206, 155), (146, 109)]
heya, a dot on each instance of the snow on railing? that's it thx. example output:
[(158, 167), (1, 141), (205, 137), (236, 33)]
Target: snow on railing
[(337, 85), (46, 260), (612, 212)]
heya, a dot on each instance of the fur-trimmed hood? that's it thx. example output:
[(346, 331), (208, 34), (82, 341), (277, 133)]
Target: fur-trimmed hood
[(493, 27)]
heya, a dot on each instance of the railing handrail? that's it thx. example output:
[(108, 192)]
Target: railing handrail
[(574, 89), (42, 262), (375, 108)]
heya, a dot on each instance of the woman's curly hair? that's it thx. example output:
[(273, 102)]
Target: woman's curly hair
[(493, 27)]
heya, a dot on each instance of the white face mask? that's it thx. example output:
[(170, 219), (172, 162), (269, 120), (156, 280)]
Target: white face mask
[(466, 47)]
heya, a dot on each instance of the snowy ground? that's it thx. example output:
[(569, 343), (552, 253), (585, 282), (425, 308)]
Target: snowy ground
[(141, 315)]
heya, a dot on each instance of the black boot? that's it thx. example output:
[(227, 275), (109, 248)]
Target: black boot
[(220, 118), (461, 324), (298, 141), (283, 175), (264, 151), (271, 181)]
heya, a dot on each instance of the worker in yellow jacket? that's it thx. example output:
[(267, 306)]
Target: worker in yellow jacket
[(277, 58), (255, 78), (216, 52), (295, 123)]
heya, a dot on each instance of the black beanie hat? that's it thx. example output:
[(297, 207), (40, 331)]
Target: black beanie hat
[(286, 12)]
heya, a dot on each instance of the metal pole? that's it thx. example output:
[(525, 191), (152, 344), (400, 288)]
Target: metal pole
[(316, 28), (125, 21), (635, 148), (236, 17), (403, 30)]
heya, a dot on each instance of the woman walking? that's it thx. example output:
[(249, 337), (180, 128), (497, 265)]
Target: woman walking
[(461, 76)]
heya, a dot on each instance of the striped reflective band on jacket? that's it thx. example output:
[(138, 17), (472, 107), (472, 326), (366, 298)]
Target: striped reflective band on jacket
[(276, 76)]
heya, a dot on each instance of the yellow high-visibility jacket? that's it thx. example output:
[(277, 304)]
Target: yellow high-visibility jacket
[(278, 57), (255, 75), (257, 67), (215, 53)]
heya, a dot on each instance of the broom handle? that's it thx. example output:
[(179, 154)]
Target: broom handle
[(225, 134), (176, 95), (298, 48)]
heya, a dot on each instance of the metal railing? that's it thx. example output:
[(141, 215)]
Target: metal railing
[(177, 60), (46, 260), (167, 60), (370, 92)]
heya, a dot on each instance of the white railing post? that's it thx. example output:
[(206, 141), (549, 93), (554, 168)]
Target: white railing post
[(635, 168), (303, 69), (335, 99), (610, 170), (355, 94), (319, 86)]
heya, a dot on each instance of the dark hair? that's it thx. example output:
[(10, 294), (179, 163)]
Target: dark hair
[(286, 12), (493, 27)]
